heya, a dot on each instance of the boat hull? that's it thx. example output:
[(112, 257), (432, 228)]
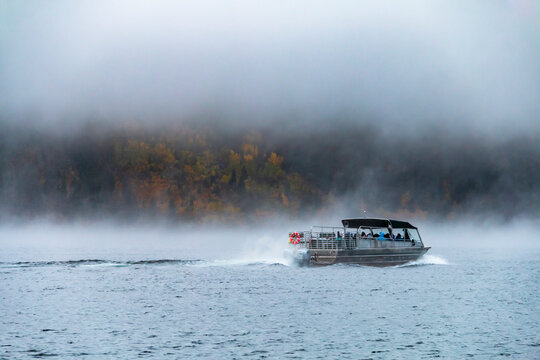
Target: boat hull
[(379, 257)]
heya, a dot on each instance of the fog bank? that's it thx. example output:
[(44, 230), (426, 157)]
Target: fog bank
[(225, 246), (414, 64)]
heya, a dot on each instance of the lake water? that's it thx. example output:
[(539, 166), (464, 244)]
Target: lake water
[(128, 305)]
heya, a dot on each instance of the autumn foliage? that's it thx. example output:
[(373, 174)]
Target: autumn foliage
[(202, 172), (186, 175)]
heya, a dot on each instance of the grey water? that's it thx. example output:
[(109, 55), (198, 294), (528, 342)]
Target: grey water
[(453, 303)]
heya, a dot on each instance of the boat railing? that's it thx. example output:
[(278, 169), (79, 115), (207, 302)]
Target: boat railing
[(329, 238), (334, 238)]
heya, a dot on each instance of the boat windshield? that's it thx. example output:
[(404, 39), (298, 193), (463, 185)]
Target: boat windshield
[(413, 233), (408, 234)]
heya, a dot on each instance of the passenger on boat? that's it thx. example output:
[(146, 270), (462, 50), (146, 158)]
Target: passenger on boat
[(363, 234), (398, 237)]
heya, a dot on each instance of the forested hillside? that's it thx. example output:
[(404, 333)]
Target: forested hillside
[(200, 172)]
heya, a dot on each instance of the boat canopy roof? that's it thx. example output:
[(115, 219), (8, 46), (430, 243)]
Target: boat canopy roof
[(356, 223)]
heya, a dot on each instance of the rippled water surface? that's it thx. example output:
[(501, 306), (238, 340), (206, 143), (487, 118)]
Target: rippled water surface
[(450, 305)]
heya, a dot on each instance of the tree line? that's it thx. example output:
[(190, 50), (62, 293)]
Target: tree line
[(191, 173)]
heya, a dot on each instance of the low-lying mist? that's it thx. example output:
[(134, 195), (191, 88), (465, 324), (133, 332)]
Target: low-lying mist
[(46, 241), (262, 243)]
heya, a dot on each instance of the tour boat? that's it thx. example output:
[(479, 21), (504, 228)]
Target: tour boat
[(372, 242)]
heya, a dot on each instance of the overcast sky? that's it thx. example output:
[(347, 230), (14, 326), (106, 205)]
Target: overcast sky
[(472, 64)]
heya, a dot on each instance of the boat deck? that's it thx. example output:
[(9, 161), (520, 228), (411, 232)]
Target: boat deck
[(364, 246)]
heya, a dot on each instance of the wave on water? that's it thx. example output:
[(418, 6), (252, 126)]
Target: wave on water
[(427, 260), (262, 255), (95, 262), (112, 263), (240, 262), (285, 260)]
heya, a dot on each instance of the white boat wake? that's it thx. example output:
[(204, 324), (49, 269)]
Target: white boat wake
[(427, 260)]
